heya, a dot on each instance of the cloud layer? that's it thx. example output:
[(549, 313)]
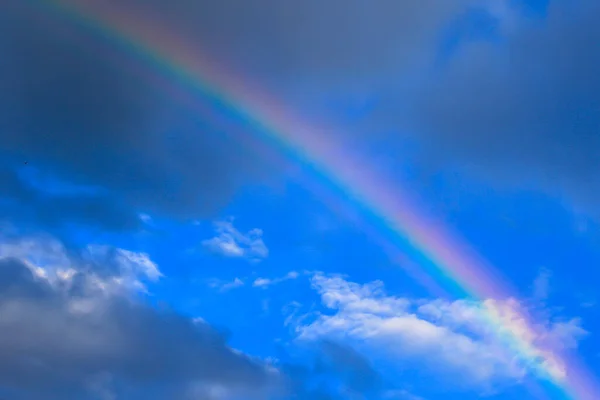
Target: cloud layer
[(298, 43), (522, 108)]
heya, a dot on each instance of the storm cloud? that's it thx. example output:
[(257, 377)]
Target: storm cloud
[(357, 371), (523, 110), (74, 105), (70, 333), (296, 43)]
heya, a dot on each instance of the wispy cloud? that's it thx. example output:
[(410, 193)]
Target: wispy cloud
[(541, 285), (262, 283), (230, 242), (453, 336), (400, 394), (266, 282), (224, 286), (130, 262)]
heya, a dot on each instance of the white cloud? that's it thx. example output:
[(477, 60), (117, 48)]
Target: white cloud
[(588, 304), (265, 305), (450, 336), (146, 219), (230, 242), (224, 286), (50, 260), (400, 394), (266, 282), (290, 311), (132, 269), (262, 282), (541, 285), (38, 253), (567, 334), (237, 282), (137, 264)]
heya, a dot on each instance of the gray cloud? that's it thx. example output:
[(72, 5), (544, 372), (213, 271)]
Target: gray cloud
[(338, 372), (528, 105), (333, 41), (28, 205), (526, 111), (71, 339), (71, 104), (356, 370)]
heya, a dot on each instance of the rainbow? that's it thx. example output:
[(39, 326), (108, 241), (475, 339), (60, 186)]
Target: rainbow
[(390, 212)]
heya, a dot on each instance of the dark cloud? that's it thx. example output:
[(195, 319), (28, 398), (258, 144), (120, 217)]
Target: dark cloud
[(299, 42), (68, 342), (356, 370), (524, 109), (72, 104), (336, 371), (26, 204)]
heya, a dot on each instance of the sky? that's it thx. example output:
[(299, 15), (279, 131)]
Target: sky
[(155, 243)]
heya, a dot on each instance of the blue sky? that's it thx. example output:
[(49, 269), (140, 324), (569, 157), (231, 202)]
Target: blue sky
[(146, 252)]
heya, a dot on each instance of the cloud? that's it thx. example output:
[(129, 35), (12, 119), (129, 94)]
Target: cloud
[(230, 242), (224, 286), (522, 110), (81, 335), (74, 106), (400, 394), (333, 370), (155, 157), (113, 128), (266, 282), (30, 204), (541, 285), (113, 269), (353, 367), (309, 42), (450, 338), (129, 266)]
